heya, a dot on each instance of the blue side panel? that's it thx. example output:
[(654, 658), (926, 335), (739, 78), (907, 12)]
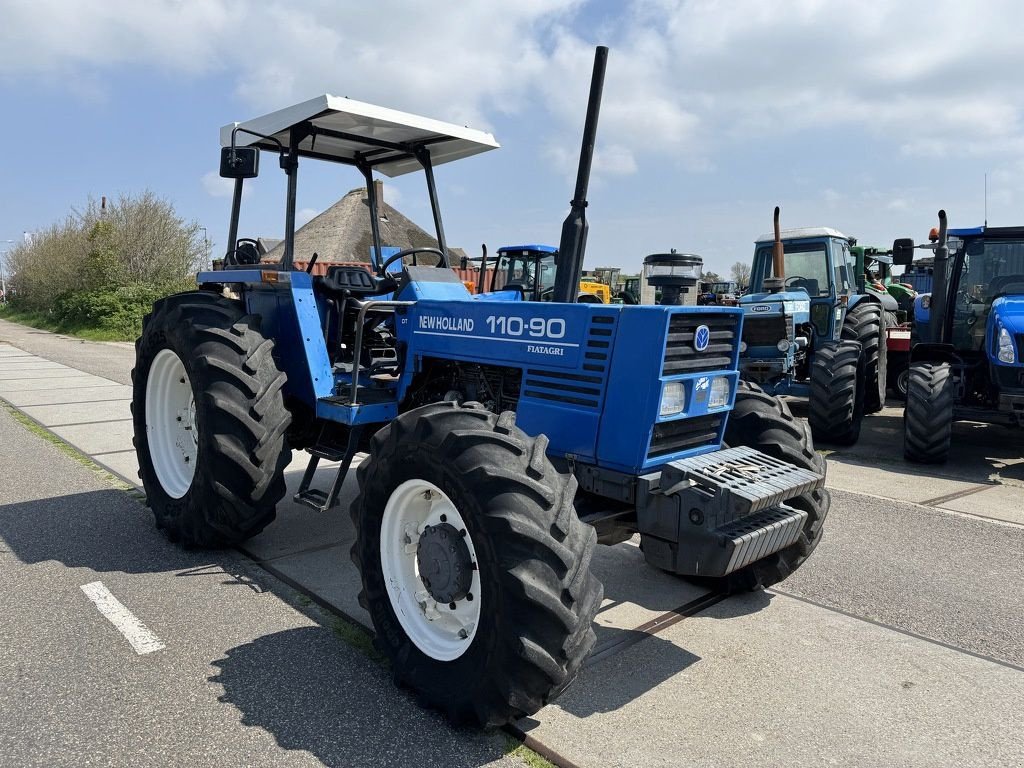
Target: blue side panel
[(563, 351), (420, 290), (290, 317)]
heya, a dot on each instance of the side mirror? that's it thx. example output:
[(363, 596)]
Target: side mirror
[(902, 251), (975, 247), (239, 162)]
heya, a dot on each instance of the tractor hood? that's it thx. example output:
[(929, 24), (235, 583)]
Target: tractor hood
[(796, 304), (1009, 311)]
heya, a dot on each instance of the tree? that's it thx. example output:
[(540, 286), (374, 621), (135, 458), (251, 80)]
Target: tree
[(741, 273), (711, 277)]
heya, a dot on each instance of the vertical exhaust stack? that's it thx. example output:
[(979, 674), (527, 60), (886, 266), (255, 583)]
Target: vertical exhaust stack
[(573, 244), (777, 281), (940, 284)]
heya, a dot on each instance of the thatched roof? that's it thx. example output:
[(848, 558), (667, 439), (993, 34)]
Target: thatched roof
[(342, 232)]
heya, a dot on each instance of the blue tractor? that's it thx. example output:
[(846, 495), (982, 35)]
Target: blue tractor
[(967, 337), (504, 438), (809, 331)]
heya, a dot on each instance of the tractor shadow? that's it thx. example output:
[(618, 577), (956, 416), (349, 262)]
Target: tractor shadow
[(979, 452), (312, 693), (641, 631), (109, 531)]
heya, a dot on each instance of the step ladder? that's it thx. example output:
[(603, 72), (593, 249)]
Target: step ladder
[(319, 499)]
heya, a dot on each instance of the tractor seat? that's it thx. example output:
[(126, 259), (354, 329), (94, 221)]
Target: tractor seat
[(1007, 284), (357, 282)]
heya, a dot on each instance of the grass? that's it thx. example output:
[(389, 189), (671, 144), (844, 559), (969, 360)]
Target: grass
[(69, 450), (515, 748), (45, 322)]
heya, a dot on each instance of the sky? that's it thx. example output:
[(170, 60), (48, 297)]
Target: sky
[(864, 116)]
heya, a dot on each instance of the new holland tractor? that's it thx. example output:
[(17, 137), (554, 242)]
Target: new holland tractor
[(809, 332), (504, 438), (968, 337)]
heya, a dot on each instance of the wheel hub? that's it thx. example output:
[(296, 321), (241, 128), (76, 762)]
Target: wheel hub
[(444, 563)]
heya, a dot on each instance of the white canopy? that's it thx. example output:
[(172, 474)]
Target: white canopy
[(792, 234), (385, 137)]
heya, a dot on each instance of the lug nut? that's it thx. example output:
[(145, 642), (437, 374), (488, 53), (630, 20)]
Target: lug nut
[(452, 606)]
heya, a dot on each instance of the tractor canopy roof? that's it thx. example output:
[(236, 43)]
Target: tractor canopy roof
[(802, 232), (1014, 233), (531, 248), (343, 130)]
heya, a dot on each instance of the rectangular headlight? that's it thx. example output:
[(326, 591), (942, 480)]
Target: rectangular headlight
[(719, 392), (673, 399)]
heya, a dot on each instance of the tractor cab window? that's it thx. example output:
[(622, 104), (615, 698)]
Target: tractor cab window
[(806, 267), (532, 273), (989, 269)]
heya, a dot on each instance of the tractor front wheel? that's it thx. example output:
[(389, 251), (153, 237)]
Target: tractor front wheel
[(837, 392), (928, 414), (761, 421), (209, 420), (475, 567)]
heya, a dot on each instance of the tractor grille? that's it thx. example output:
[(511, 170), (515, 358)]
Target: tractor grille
[(766, 331), (584, 389), (681, 357), (684, 434)]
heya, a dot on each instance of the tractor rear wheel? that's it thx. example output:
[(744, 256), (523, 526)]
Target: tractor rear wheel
[(928, 414), (209, 420), (866, 323), (475, 567), (761, 421), (837, 392)]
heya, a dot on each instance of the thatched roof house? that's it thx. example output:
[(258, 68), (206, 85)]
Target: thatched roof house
[(342, 232)]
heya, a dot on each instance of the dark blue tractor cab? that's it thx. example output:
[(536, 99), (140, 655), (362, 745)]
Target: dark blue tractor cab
[(967, 336), (808, 331), (503, 438)]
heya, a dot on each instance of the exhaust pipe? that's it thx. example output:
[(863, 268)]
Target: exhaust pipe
[(573, 244), (777, 281)]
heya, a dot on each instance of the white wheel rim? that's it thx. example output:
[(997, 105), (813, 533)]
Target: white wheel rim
[(171, 424), (435, 628)]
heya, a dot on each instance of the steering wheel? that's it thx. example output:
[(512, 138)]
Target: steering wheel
[(791, 278), (409, 252)]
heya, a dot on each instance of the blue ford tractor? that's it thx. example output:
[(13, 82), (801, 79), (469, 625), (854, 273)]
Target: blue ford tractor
[(504, 438), (967, 337), (809, 332)]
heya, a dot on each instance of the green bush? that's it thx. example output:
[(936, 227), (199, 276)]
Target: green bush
[(117, 311)]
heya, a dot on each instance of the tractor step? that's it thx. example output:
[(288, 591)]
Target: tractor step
[(316, 498)]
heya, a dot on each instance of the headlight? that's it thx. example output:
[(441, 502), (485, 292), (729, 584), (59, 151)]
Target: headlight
[(1006, 353), (673, 399), (783, 345), (743, 347), (719, 392), (926, 301)]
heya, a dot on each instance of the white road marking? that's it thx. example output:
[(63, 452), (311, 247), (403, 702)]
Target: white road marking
[(134, 631)]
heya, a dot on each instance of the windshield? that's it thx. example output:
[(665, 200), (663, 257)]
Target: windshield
[(721, 288), (990, 268), (806, 267), (522, 271)]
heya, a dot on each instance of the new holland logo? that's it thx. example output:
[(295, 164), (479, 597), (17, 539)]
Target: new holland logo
[(701, 338)]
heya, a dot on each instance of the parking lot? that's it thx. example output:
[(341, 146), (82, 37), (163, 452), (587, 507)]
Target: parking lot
[(899, 643)]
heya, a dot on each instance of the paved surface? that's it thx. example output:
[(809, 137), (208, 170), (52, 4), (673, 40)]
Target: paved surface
[(899, 642), (109, 359), (246, 678)]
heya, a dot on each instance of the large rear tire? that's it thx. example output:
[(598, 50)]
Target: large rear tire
[(837, 392), (504, 621), (866, 323), (761, 421), (928, 414), (209, 420)]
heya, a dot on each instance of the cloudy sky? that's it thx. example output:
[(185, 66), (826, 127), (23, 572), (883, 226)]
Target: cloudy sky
[(866, 116)]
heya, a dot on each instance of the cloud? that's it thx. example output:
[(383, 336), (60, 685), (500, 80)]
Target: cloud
[(217, 186), (304, 215), (687, 79)]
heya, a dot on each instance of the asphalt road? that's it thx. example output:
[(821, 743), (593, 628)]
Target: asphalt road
[(247, 677)]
